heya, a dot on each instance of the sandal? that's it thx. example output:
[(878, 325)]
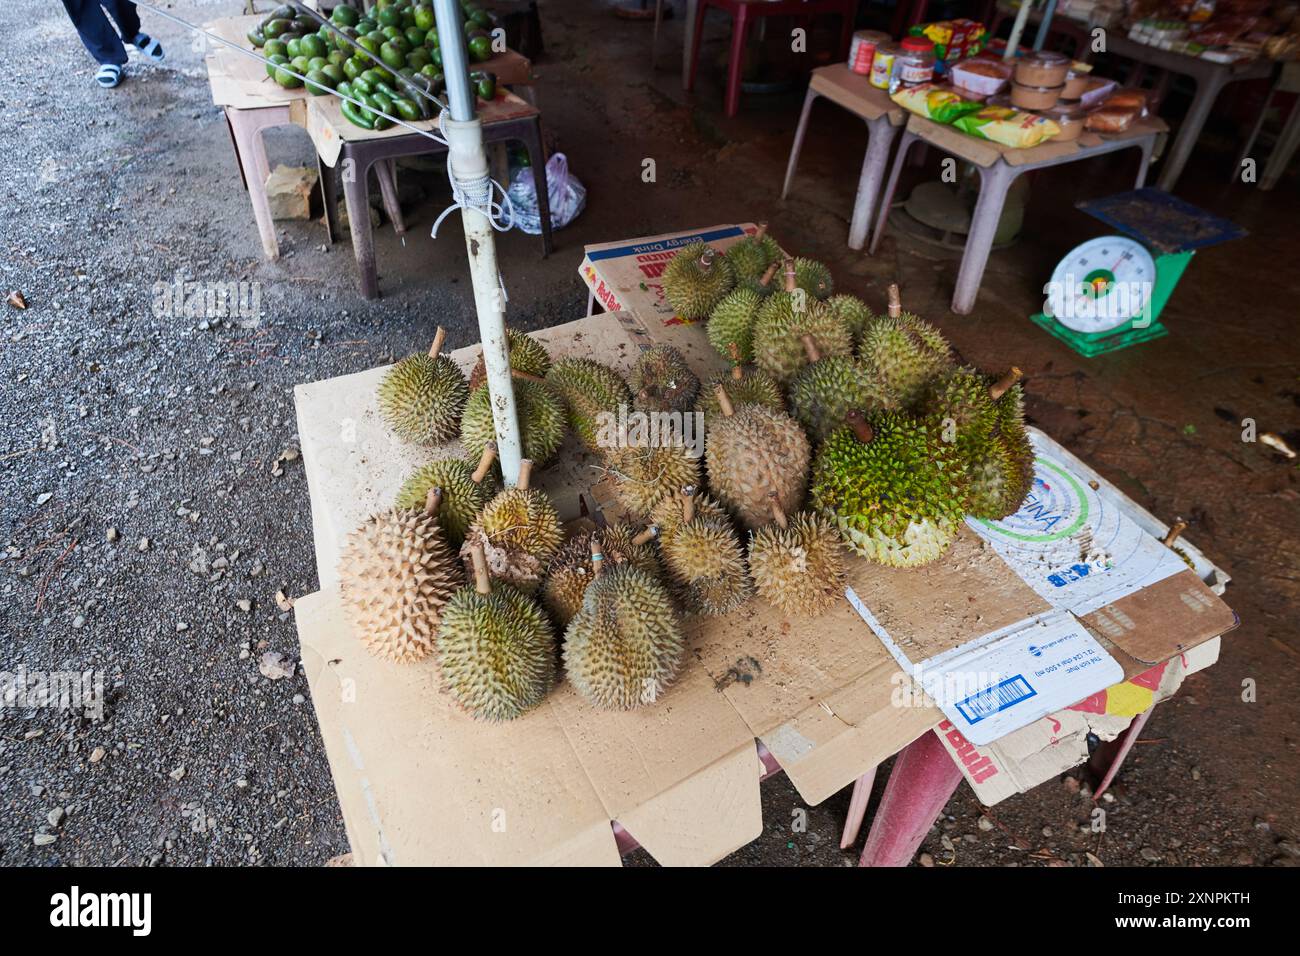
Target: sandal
[(148, 46), (109, 75)]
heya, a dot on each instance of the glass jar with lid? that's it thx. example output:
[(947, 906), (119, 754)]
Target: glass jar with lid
[(914, 64)]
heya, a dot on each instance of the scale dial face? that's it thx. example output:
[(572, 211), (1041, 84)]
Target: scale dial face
[(1102, 284)]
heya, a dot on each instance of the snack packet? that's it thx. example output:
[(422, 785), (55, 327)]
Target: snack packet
[(1001, 124), (934, 102)]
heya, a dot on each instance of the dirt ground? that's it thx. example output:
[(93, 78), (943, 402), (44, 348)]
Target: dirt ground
[(153, 503)]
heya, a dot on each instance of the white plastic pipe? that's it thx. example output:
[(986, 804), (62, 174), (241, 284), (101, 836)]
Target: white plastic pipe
[(1017, 28), (468, 161)]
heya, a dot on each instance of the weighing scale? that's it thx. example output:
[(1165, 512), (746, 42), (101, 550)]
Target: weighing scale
[(1108, 293)]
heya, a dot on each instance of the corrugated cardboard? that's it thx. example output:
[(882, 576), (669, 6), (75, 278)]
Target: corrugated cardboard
[(852, 91)]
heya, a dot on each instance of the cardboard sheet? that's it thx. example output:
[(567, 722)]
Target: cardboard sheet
[(852, 91)]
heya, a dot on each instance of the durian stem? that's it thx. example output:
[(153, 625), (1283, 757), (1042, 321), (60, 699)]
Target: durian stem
[(648, 534), (525, 473), (760, 232), (1003, 385), (810, 347), (482, 581), (706, 258), (734, 350), (769, 274), (525, 376), (688, 503), (1171, 536), (485, 463), (597, 557), (724, 401), (433, 501), (860, 427), (777, 514), (438, 338), (895, 303), (788, 263)]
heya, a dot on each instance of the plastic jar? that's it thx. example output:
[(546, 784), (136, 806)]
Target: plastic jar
[(1069, 118), (1034, 97), (863, 50), (1076, 82), (1042, 69), (882, 65), (914, 64)]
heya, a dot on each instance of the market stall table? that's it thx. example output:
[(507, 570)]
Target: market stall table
[(998, 167), (883, 117)]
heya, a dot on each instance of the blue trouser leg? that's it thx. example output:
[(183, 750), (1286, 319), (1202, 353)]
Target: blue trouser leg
[(98, 34)]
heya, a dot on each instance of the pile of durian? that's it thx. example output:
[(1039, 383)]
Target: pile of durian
[(836, 429)]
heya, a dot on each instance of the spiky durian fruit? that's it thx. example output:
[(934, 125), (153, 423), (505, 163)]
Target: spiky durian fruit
[(396, 574), (752, 452), (526, 355), (855, 313), (541, 420), (496, 649), (751, 256), (624, 646), (732, 323), (813, 277), (519, 532), (645, 474), (696, 279), (702, 553), (784, 319), (465, 488), (986, 419), (798, 564), (589, 390), (895, 490), (421, 398), (570, 571), (904, 353), (662, 381), (826, 389), (743, 388)]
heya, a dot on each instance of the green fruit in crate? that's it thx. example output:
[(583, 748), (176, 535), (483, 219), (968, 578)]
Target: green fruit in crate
[(293, 48), (287, 79), (496, 651), (345, 16), (591, 392), (822, 392), (317, 63), (696, 279), (392, 56), (276, 26), (540, 413), (732, 323), (894, 488), (312, 45), (338, 58), (300, 63), (353, 67), (481, 18), (625, 646), (662, 381), (423, 16), (366, 25), (388, 17), (466, 488), (519, 532), (370, 44), (414, 36), (743, 388), (570, 571), (855, 313), (274, 61), (646, 474), (422, 397), (256, 37), (526, 355), (784, 319), (751, 256), (753, 454), (905, 353), (702, 553), (480, 49), (798, 564), (275, 48), (396, 575), (418, 58), (318, 83), (813, 277), (485, 85)]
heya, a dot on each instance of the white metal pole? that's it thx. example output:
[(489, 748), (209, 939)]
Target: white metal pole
[(468, 163), (1017, 28)]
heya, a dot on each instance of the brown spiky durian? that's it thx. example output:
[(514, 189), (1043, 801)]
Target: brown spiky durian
[(466, 488), (752, 451), (496, 648), (570, 570), (538, 409), (702, 553), (784, 319), (646, 473), (396, 573), (662, 381), (519, 532), (903, 353), (422, 397), (798, 564), (696, 279), (527, 355), (743, 387)]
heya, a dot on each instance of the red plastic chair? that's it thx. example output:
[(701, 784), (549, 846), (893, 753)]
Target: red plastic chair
[(743, 11)]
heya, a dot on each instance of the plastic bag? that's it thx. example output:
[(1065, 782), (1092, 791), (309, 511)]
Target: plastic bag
[(1009, 127), (934, 102), (567, 196)]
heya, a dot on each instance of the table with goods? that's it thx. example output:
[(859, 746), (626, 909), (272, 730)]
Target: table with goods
[(746, 521)]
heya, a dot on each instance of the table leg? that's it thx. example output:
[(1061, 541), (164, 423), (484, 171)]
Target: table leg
[(923, 778), (386, 173), (880, 136), (798, 140), (1283, 150), (857, 808), (736, 65), (995, 180), (1109, 757), (1147, 145), (247, 127), (688, 42), (1208, 86), (537, 159), (329, 191), (887, 199), (356, 194)]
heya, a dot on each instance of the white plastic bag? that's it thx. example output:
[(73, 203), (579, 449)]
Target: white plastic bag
[(567, 196)]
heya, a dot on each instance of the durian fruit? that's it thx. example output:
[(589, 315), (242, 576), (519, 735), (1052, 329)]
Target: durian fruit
[(751, 256), (743, 388), (782, 321), (539, 410), (526, 355), (625, 645), (466, 488), (751, 452), (421, 398), (731, 323), (904, 353), (661, 381), (827, 388), (519, 532), (855, 313), (813, 277), (570, 571), (798, 564), (765, 284), (696, 279), (703, 556), (893, 488), (396, 574), (589, 390), (645, 474), (986, 419), (496, 648)]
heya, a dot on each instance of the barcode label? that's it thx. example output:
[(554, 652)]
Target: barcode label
[(995, 699)]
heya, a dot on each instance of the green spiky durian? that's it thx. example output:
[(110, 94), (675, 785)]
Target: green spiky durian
[(662, 381), (422, 397), (702, 553), (855, 313), (813, 277), (466, 488), (588, 390), (696, 279), (904, 353), (527, 355), (798, 565), (570, 571), (783, 320), (396, 574), (731, 325), (518, 531), (625, 645), (496, 650), (743, 388), (753, 453), (751, 256), (539, 410), (893, 488), (822, 392), (646, 474)]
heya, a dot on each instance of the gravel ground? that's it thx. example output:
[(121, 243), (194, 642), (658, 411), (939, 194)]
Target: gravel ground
[(154, 504)]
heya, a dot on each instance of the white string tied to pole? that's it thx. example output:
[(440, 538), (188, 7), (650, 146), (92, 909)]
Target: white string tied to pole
[(477, 193)]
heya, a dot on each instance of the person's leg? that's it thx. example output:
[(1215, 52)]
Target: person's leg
[(127, 17), (98, 35)]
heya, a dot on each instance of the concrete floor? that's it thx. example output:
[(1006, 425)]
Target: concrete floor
[(160, 428)]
